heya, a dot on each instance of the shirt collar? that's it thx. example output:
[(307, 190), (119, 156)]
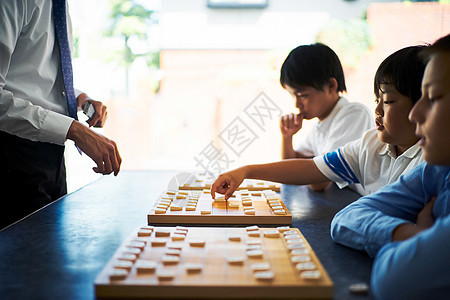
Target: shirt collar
[(410, 153), (325, 124)]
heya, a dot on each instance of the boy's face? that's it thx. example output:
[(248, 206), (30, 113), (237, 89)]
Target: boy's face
[(432, 112), (391, 118), (313, 103)]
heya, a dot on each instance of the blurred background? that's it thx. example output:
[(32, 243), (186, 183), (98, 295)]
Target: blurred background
[(194, 85)]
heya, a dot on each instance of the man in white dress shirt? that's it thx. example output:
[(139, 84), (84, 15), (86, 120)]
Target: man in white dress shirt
[(34, 121)]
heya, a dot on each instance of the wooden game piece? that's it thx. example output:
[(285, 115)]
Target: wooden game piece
[(252, 228), (145, 266), (232, 204), (271, 233), (181, 228), (170, 259), (123, 264), (162, 232), (295, 246), (136, 244), (190, 207), (193, 267), (220, 199), (257, 267), (264, 276), (183, 192), (234, 238), (314, 274), (118, 274), (283, 228), (256, 193), (300, 251), (174, 252), (279, 212), (256, 253), (197, 243), (176, 208), (254, 247), (158, 242), (306, 266), (161, 206), (144, 233), (205, 211), (300, 258), (290, 233), (160, 211), (360, 288), (164, 275), (254, 233), (181, 197), (135, 251), (295, 241), (178, 237), (180, 232), (171, 192), (251, 212), (149, 228), (128, 257), (236, 260)]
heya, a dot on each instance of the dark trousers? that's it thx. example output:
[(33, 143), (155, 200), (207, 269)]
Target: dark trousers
[(32, 175)]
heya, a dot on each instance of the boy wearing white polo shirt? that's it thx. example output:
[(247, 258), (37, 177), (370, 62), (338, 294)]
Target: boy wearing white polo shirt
[(313, 76), (374, 160)]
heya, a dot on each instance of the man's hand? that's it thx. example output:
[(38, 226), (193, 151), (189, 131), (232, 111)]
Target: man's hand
[(100, 116), (290, 124), (101, 112), (424, 221), (100, 149), (228, 182)]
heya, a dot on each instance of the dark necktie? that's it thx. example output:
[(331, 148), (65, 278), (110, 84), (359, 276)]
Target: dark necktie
[(59, 20)]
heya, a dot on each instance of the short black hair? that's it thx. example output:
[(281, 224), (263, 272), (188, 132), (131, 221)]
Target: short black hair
[(404, 70), (441, 45), (312, 65)]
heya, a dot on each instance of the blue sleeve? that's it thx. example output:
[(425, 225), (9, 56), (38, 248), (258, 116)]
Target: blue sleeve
[(337, 163), (418, 268), (367, 224)]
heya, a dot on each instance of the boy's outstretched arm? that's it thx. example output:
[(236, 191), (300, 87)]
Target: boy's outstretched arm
[(291, 171)]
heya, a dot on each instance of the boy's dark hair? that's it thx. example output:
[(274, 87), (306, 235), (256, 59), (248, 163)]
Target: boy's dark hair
[(404, 70), (312, 65), (441, 45)]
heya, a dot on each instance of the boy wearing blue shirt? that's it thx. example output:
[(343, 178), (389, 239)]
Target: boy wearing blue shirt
[(407, 224)]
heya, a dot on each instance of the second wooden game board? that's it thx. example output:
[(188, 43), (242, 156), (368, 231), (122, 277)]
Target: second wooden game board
[(198, 207), (202, 262)]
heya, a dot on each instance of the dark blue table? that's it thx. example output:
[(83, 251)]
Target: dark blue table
[(57, 252)]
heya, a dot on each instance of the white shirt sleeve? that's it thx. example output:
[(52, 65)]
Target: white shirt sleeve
[(341, 165), (19, 116)]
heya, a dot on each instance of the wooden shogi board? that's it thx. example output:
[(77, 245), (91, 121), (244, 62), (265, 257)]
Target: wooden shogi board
[(202, 262), (202, 181), (198, 207)]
